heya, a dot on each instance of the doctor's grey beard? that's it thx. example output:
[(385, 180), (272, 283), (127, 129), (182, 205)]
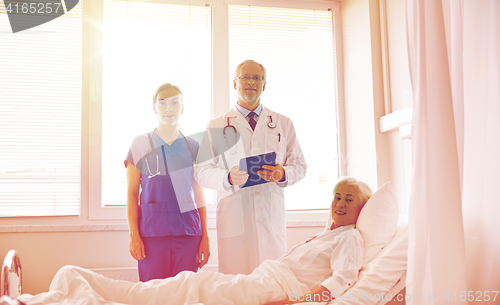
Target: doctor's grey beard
[(251, 101)]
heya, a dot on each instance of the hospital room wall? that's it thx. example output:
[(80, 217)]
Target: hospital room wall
[(44, 252), (400, 97), (374, 35)]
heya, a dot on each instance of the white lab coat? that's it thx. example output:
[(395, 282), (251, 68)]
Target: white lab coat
[(251, 224)]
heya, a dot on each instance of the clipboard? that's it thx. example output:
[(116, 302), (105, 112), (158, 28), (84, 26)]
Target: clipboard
[(253, 164)]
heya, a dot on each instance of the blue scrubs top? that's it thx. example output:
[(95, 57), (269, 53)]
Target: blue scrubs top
[(167, 205)]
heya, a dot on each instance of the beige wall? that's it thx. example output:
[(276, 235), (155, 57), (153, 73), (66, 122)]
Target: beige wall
[(359, 97), (401, 93), (42, 254), (400, 97), (371, 155)]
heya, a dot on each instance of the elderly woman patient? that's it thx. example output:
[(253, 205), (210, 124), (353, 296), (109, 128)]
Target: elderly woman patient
[(322, 267)]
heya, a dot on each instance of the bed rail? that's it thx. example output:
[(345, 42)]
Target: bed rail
[(12, 276)]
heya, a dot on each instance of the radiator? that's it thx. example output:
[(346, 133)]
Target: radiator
[(131, 274)]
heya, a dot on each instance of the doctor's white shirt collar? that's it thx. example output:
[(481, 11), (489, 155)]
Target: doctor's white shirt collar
[(245, 111)]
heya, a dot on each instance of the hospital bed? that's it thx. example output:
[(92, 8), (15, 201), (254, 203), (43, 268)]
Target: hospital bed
[(11, 277), (384, 276), (381, 278)]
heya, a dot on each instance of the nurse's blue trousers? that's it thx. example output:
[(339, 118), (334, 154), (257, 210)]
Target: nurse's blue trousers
[(168, 255)]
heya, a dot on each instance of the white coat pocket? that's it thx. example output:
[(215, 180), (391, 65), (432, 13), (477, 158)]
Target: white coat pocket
[(230, 222), (276, 141), (278, 213)]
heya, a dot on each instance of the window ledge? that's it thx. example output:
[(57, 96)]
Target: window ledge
[(400, 119), (121, 227), (63, 228)]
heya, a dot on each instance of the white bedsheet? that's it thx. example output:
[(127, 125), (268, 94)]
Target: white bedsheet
[(78, 286)]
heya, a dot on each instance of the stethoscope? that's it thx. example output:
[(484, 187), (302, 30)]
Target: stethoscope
[(271, 125), (153, 150)]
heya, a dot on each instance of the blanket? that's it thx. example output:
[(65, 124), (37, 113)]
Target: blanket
[(271, 281)]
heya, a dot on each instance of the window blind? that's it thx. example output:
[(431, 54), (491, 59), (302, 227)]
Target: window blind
[(296, 46), (40, 117)]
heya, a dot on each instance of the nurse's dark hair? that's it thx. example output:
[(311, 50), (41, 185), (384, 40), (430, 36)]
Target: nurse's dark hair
[(363, 190), (165, 87)]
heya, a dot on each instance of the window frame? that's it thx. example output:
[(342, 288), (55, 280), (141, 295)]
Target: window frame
[(91, 210), (96, 210)]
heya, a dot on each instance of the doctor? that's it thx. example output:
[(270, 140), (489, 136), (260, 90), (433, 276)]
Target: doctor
[(251, 224)]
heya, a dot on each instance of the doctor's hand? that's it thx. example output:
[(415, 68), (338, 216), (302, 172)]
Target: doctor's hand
[(136, 248), (237, 177), (203, 251), (273, 173)]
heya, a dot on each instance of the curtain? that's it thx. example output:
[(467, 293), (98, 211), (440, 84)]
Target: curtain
[(454, 245)]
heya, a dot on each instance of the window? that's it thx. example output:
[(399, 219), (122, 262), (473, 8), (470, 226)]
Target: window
[(145, 45), (131, 48), (297, 48), (40, 117)]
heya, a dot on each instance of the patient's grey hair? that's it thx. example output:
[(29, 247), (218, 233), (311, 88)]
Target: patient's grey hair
[(250, 61), (363, 190)]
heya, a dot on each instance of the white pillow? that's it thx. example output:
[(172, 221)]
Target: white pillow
[(380, 276), (378, 220)]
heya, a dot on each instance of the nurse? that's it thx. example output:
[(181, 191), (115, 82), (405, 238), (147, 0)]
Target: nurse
[(165, 206)]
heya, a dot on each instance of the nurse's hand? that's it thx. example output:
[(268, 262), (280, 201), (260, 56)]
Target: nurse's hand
[(136, 248), (273, 173), (237, 177), (203, 251)]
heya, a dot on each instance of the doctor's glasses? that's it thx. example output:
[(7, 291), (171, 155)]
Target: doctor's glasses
[(247, 78)]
